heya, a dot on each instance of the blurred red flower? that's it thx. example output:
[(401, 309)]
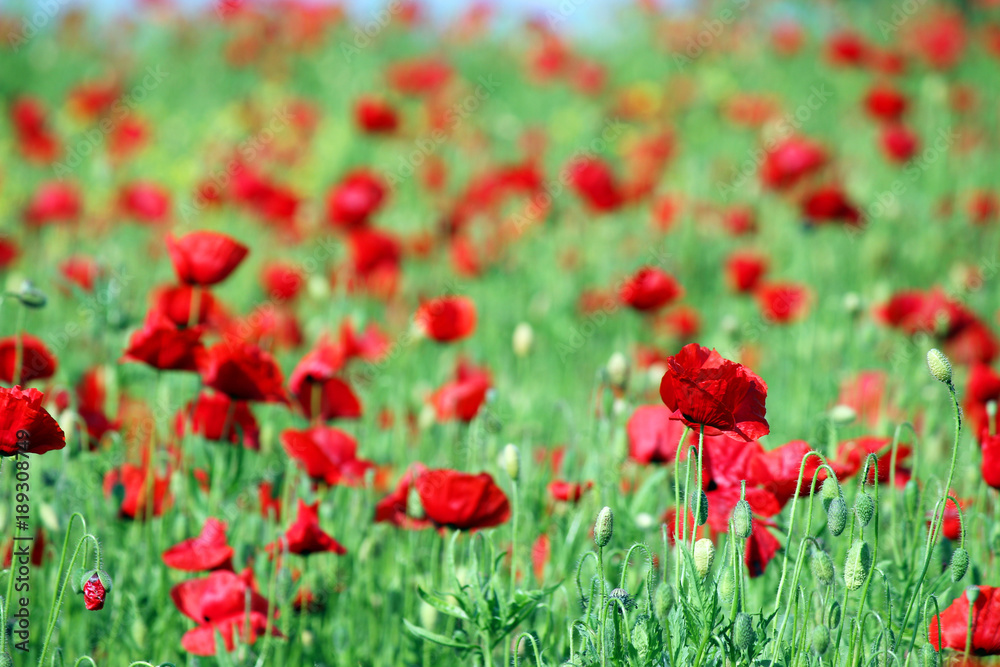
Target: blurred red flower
[(204, 258), (242, 371), (208, 551), (649, 288), (447, 318), (25, 426)]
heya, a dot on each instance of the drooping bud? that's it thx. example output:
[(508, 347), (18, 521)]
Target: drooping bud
[(727, 586), (30, 296), (603, 527), (821, 566), (864, 508), (524, 336), (743, 635), (699, 512), (836, 516), (510, 461), (939, 365), (959, 564), (704, 556), (742, 519), (95, 587), (859, 562), (820, 639), (829, 491)]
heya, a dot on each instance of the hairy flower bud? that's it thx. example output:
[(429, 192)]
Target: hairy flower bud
[(834, 615), (704, 556), (700, 512), (742, 519), (836, 516), (96, 586), (939, 365), (929, 656), (603, 527), (959, 564), (727, 585), (864, 508), (743, 634), (829, 491), (819, 639), (821, 566), (859, 562)]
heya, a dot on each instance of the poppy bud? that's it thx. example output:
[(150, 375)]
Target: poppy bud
[(700, 512), (742, 519), (307, 638), (852, 303), (743, 634), (829, 492), (959, 564), (524, 336), (661, 601), (859, 561), (30, 296), (727, 586), (603, 527), (622, 595), (911, 496), (836, 516), (510, 461), (929, 656), (821, 566), (704, 556), (972, 592), (95, 589), (842, 415), (820, 639), (834, 615), (864, 508), (617, 369), (939, 366)]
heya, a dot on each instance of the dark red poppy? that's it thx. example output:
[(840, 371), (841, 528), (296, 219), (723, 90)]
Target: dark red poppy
[(54, 201), (447, 318), (703, 389), (94, 593), (355, 199), (305, 537), (899, 143), (829, 203), (790, 161), (133, 484), (162, 345), (375, 116), (568, 492), (653, 436), (782, 302), (205, 258), (242, 371), (375, 261), (218, 603), (25, 426), (327, 455), (592, 179), (36, 361), (744, 270), (462, 397), (883, 102), (649, 288), (144, 201), (462, 501), (954, 623), (208, 551), (216, 417)]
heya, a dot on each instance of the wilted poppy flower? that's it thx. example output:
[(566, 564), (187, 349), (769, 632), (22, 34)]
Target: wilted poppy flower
[(885, 103), (162, 345), (305, 537), (219, 603), (25, 426), (782, 302), (593, 181), (447, 318), (353, 200), (36, 361), (55, 201), (653, 436), (133, 484), (462, 397), (744, 270), (327, 455), (649, 288), (205, 258), (954, 623), (462, 501), (242, 371), (208, 551), (790, 161), (146, 202), (375, 116), (216, 417), (703, 389)]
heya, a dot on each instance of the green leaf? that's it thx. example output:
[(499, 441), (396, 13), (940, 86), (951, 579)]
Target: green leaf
[(439, 603), (436, 638)]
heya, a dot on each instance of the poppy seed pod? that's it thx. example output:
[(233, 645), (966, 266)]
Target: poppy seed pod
[(821, 566), (704, 556), (742, 519), (939, 366), (700, 512), (510, 461), (836, 516), (743, 635), (864, 508), (603, 527), (959, 564), (820, 639), (859, 561)]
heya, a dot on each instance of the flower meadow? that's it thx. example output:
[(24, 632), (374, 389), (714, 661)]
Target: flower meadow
[(359, 339)]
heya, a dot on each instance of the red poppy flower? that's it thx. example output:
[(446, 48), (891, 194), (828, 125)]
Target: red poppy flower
[(703, 389), (954, 623), (829, 203), (594, 182), (899, 143), (885, 103), (375, 260), (394, 508), (990, 446), (282, 282), (739, 220), (35, 140), (208, 551), (782, 302), (941, 39), (370, 345), (242, 371), (727, 461), (135, 487), (38, 545), (983, 386), (270, 324), (783, 465), (682, 322), (327, 455), (80, 271), (37, 362), (270, 505), (355, 199), (790, 161), (144, 201), (90, 398), (983, 207), (8, 253), (447, 318), (205, 258), (462, 397), (419, 76), (176, 302), (462, 501), (94, 593), (55, 201), (744, 270), (847, 49), (162, 345), (216, 417), (218, 603), (851, 456), (568, 492), (864, 393), (25, 426), (305, 537), (375, 116), (653, 435), (649, 289)]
